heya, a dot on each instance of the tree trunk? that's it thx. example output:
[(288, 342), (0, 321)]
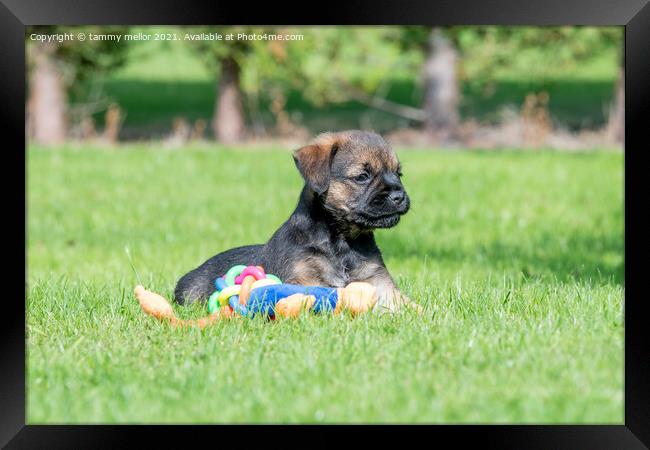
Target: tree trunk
[(616, 121), (228, 122), (47, 97), (440, 85)]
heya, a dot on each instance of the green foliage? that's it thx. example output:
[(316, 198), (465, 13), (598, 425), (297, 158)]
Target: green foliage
[(369, 58), (164, 60), (80, 61), (211, 52), (510, 52), (334, 60), (322, 66), (517, 258), (577, 66)]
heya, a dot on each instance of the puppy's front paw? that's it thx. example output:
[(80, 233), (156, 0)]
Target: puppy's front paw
[(395, 303), (417, 308)]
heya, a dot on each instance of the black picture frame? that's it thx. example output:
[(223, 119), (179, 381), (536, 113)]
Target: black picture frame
[(634, 15)]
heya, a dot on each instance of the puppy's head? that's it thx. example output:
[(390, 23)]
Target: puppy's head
[(357, 176)]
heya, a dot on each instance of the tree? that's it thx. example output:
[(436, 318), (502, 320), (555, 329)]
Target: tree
[(356, 64), (359, 64), (47, 103), (228, 122), (339, 64), (54, 67), (332, 65), (616, 122), (227, 58), (441, 91), (342, 64), (547, 52)]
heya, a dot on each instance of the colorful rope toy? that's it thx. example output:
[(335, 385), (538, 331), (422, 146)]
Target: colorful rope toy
[(234, 288), (249, 291)]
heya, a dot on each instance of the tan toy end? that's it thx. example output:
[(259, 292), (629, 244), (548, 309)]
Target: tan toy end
[(357, 297), (153, 304), (293, 304)]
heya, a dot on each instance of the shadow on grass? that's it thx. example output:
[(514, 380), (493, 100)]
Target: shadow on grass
[(583, 258)]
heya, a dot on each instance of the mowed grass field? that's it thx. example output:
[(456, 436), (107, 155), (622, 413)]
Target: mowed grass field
[(517, 258)]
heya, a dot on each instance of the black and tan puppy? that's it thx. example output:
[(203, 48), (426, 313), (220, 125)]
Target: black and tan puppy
[(352, 186)]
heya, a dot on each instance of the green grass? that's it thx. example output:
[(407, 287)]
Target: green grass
[(517, 258)]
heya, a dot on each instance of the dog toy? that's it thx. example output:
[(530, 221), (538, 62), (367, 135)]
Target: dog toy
[(234, 287), (247, 291)]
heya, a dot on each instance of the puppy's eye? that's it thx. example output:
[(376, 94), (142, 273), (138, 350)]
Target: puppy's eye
[(362, 177)]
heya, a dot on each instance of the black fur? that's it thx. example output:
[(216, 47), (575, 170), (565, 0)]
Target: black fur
[(199, 283)]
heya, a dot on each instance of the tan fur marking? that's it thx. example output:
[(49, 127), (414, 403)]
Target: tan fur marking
[(329, 139), (388, 160), (313, 159), (374, 159), (312, 162), (305, 272), (392, 163), (338, 195), (356, 168), (378, 159), (371, 270)]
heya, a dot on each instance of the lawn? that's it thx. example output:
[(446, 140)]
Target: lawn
[(517, 258)]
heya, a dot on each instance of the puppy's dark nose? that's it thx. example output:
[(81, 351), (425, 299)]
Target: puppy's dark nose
[(397, 197)]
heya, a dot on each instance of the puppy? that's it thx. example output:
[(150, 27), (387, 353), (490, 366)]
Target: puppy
[(352, 186)]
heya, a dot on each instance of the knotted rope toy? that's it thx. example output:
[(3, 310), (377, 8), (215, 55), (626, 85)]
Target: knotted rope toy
[(246, 291)]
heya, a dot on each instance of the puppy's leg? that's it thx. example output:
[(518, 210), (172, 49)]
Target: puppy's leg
[(196, 285), (390, 299)]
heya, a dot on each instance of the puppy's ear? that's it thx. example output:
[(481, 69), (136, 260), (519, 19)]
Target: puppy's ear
[(314, 163)]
